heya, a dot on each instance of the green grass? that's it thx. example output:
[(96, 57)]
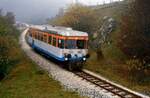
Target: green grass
[(23, 78), (113, 53), (115, 72), (26, 80), (113, 65)]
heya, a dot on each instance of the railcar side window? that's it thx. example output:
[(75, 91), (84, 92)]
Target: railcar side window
[(54, 41), (33, 34), (36, 35), (61, 43), (39, 36), (80, 44), (44, 38), (50, 40), (30, 34)]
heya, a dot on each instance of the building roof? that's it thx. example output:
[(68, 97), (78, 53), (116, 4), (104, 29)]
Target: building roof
[(59, 30)]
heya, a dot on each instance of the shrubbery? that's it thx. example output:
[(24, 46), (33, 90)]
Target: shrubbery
[(135, 30), (9, 53), (130, 43), (134, 38)]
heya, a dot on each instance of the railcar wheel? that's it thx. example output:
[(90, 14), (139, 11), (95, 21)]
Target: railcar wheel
[(70, 66), (80, 65)]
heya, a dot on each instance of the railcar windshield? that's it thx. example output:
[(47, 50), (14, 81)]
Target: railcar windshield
[(70, 44), (76, 44)]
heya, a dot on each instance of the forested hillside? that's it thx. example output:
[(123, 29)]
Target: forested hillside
[(121, 53)]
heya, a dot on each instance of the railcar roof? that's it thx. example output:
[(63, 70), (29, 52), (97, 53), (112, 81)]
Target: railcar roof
[(59, 30)]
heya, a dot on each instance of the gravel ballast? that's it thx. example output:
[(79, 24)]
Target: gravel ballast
[(67, 79)]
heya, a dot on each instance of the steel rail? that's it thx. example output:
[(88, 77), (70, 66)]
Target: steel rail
[(106, 85)]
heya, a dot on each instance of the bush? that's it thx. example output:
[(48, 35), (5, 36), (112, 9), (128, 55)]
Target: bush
[(137, 71), (9, 53), (135, 30), (134, 39), (113, 54)]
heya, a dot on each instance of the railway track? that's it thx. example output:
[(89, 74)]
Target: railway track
[(107, 86), (115, 90)]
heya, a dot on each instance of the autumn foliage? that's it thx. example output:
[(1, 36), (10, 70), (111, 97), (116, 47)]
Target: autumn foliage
[(78, 17), (9, 53), (134, 38)]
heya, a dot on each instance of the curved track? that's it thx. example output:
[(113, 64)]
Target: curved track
[(106, 85), (111, 88)]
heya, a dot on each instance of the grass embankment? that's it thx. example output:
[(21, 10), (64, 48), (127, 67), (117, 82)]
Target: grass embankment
[(113, 66), (20, 77), (114, 71), (26, 80)]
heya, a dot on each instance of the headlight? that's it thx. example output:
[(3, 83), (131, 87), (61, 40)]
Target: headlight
[(66, 59), (84, 59)]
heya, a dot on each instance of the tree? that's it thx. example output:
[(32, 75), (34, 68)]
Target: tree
[(134, 38), (10, 17), (7, 24), (1, 12), (79, 17), (8, 43)]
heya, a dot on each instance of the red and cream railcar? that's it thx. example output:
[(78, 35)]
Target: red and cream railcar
[(63, 44)]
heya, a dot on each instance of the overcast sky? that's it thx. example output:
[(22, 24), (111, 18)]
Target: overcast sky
[(39, 10)]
